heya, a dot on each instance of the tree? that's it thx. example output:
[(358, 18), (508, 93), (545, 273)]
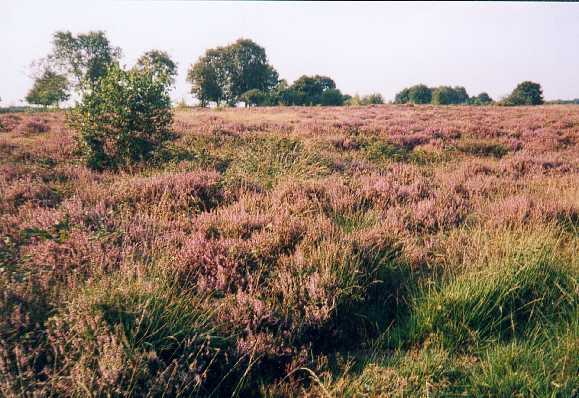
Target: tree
[(332, 97), (373, 99), (419, 94), (483, 99), (84, 58), (254, 97), (225, 73), (248, 69), (159, 63), (206, 78), (402, 97), (443, 95), (125, 116), (526, 93), (460, 95), (308, 90), (50, 88)]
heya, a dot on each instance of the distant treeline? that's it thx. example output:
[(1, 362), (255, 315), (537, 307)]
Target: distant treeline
[(238, 73), (443, 95)]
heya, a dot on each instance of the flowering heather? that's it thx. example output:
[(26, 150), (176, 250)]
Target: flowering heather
[(271, 251)]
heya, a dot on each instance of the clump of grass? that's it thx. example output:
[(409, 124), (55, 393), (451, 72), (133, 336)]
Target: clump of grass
[(482, 148), (141, 335), (544, 365), (511, 296), (266, 161), (379, 151)]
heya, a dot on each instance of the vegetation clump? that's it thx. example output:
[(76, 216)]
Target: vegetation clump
[(124, 118)]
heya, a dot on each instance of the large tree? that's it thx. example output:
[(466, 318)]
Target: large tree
[(50, 88), (225, 73), (308, 90), (420, 94), (526, 93), (85, 58)]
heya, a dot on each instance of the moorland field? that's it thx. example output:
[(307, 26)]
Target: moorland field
[(296, 251)]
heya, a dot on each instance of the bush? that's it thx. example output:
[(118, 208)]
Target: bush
[(124, 118)]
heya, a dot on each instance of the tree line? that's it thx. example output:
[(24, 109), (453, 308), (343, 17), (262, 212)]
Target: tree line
[(230, 75)]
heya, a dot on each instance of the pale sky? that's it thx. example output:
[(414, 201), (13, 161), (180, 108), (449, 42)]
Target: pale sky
[(364, 47)]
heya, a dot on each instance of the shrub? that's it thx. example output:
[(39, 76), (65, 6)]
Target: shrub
[(124, 118)]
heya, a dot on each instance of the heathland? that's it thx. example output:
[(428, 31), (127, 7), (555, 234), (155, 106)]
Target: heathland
[(386, 250)]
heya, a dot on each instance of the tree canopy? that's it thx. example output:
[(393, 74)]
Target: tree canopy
[(526, 93), (225, 73), (50, 88), (85, 58), (160, 64)]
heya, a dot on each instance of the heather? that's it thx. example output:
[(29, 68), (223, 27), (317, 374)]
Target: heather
[(377, 250)]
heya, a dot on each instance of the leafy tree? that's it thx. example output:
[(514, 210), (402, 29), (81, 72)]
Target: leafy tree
[(225, 73), (308, 90), (254, 97), (206, 78), (483, 99), (460, 95), (248, 69), (402, 97), (123, 118), (373, 99), (526, 93), (49, 89), (332, 97), (443, 95), (420, 94), (160, 63), (85, 58)]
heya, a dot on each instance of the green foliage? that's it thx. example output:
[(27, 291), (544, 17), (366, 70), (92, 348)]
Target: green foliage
[(503, 302), (49, 89), (225, 73), (308, 90), (254, 97), (445, 95), (124, 118), (332, 97), (85, 58), (481, 99), (526, 93), (403, 97), (420, 94), (159, 62), (371, 99)]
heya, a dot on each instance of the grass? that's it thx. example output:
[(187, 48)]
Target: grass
[(357, 252)]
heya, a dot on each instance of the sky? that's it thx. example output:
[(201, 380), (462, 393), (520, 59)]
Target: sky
[(364, 47)]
